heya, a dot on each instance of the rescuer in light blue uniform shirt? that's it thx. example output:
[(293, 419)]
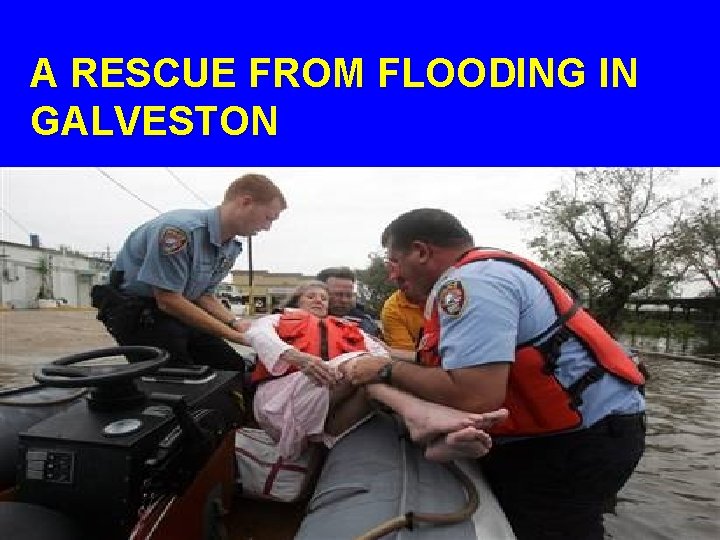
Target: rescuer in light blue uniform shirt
[(193, 271), (507, 306), (162, 284)]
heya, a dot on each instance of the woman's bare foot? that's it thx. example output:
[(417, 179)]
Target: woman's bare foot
[(468, 442), (489, 419), (426, 420)]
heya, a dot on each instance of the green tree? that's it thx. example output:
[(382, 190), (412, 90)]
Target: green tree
[(698, 240), (44, 268), (608, 233), (374, 287)]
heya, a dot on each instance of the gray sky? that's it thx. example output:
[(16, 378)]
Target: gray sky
[(335, 215)]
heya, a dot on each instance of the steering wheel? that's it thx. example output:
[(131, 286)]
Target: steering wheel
[(64, 374)]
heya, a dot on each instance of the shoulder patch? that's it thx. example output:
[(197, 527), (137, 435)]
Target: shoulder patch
[(173, 240), (451, 298)]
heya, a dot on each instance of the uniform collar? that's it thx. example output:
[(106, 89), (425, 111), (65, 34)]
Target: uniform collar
[(213, 217)]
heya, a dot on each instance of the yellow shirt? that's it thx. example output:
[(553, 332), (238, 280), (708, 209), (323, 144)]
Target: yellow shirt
[(402, 321)]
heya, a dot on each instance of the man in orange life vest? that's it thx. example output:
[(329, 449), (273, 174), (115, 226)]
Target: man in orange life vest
[(502, 332)]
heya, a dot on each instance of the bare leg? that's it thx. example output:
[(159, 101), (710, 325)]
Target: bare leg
[(468, 442), (424, 420), (348, 405), (340, 392)]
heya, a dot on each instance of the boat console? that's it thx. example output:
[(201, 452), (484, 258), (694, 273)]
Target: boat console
[(142, 432)]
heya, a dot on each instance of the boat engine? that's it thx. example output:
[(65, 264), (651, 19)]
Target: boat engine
[(142, 432)]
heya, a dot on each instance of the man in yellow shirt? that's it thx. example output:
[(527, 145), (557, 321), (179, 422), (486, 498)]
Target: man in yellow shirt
[(401, 321)]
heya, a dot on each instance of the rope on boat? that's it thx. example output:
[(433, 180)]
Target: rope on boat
[(409, 519)]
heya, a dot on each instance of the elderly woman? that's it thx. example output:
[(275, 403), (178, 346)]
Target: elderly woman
[(302, 395)]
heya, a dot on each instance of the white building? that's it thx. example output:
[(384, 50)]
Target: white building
[(62, 275)]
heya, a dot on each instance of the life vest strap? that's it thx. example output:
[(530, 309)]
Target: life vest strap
[(550, 349), (323, 340), (560, 321), (576, 389)]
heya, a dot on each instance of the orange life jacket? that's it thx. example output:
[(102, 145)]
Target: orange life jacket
[(536, 400), (326, 338)]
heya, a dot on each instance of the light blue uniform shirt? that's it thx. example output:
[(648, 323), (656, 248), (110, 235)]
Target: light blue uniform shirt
[(179, 251), (505, 306)]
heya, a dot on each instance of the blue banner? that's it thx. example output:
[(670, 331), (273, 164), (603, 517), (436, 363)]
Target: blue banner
[(372, 83)]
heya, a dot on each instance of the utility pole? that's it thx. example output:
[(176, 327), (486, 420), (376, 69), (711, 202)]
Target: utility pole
[(251, 302)]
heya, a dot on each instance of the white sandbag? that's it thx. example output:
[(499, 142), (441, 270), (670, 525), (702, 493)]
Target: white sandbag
[(264, 473)]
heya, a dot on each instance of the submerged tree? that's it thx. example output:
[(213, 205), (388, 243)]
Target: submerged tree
[(608, 233), (697, 244)]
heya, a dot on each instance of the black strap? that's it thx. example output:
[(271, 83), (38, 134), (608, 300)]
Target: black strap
[(550, 349), (591, 376), (560, 321), (323, 340)]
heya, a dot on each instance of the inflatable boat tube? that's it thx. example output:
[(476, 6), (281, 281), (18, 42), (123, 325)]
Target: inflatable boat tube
[(376, 475)]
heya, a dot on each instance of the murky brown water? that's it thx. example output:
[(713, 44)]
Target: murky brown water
[(675, 492)]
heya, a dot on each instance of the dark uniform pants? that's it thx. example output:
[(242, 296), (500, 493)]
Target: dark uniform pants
[(131, 323), (556, 487)]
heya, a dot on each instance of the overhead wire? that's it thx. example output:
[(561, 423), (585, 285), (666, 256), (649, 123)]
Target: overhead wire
[(121, 186), (188, 188), (15, 221), (108, 177)]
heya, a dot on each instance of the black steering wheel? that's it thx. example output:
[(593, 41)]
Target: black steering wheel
[(64, 373)]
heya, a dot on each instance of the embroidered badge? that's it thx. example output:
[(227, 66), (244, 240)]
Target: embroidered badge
[(172, 240), (451, 298)]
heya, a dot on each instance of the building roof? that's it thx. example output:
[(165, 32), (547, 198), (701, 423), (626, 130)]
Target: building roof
[(64, 252)]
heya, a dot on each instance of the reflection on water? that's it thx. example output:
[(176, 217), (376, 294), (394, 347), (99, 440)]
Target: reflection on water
[(666, 344), (675, 492), (702, 340)]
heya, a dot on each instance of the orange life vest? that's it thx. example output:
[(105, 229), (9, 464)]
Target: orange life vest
[(536, 400), (326, 338)]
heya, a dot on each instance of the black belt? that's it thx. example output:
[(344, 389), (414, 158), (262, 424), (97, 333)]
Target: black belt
[(619, 423)]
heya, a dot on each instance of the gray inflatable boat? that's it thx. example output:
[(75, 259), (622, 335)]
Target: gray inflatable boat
[(377, 484)]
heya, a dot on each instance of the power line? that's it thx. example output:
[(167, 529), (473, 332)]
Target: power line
[(118, 184), (15, 221), (183, 184)]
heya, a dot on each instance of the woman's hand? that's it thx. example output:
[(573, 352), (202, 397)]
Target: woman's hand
[(312, 366)]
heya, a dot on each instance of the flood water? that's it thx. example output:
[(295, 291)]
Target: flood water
[(675, 491), (705, 341)]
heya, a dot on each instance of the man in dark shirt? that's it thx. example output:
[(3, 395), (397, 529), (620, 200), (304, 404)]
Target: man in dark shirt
[(343, 299)]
